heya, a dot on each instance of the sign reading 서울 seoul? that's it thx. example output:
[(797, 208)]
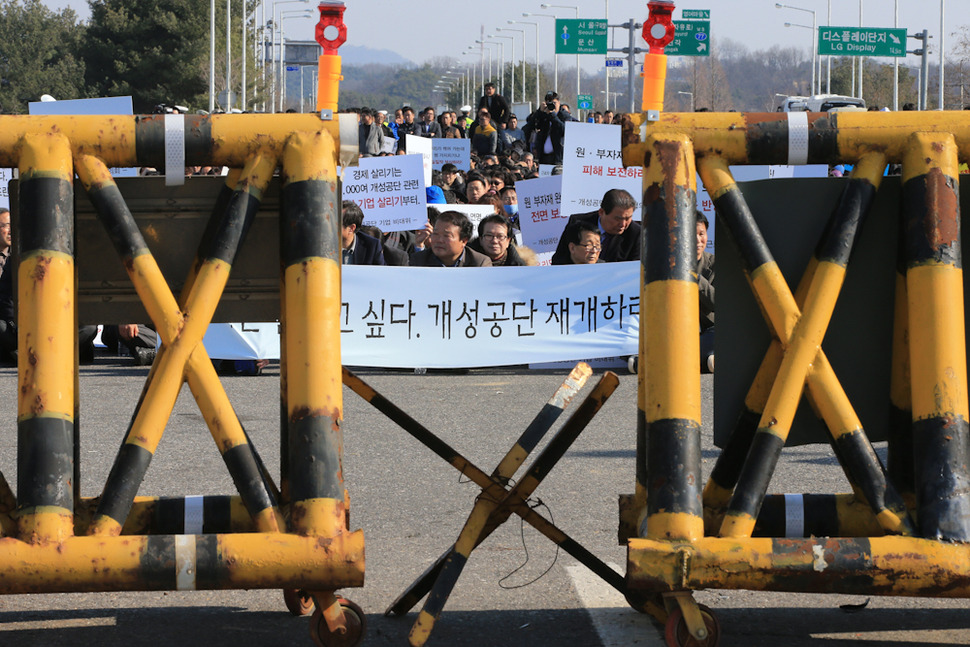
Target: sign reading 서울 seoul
[(861, 41), (580, 36)]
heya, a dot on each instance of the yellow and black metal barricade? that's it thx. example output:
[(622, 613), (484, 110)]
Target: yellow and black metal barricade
[(296, 537), (902, 530)]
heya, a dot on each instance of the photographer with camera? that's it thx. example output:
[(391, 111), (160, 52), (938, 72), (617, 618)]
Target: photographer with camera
[(545, 129)]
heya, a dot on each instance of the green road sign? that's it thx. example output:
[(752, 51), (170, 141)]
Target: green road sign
[(580, 36), (696, 14), (584, 101), (865, 41), (691, 38)]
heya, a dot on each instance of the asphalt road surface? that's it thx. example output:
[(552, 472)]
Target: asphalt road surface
[(516, 589)]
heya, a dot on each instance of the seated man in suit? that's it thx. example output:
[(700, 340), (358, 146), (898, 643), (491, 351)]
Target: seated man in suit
[(619, 235), (359, 249), (583, 241), (392, 255), (449, 238)]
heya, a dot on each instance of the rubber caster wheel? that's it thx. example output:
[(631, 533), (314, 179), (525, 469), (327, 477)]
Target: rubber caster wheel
[(298, 602), (677, 634), (356, 627)]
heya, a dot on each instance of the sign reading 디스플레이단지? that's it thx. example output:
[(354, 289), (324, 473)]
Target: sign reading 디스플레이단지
[(861, 41)]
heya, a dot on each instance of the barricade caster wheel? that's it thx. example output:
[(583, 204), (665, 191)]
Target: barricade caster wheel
[(356, 626), (678, 635), (298, 602)]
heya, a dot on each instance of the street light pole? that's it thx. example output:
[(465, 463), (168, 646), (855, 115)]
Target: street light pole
[(536, 25), (276, 26), (814, 29), (287, 15), (521, 31), (555, 79), (511, 58), (795, 24), (576, 9), (212, 56), (691, 95)]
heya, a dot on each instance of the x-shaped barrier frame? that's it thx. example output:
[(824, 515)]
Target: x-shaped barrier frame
[(497, 501), (672, 555), (47, 557)]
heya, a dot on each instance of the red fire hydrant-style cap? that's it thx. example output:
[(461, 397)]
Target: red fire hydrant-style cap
[(658, 31), (331, 31)]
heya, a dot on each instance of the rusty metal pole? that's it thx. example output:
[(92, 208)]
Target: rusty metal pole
[(669, 304), (938, 354), (46, 338)]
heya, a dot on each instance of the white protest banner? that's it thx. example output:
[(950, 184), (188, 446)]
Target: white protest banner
[(473, 317), (243, 340), (98, 106), (415, 144), (488, 317), (545, 170), (475, 212), (6, 174), (451, 151), (592, 165), (540, 217), (389, 190)]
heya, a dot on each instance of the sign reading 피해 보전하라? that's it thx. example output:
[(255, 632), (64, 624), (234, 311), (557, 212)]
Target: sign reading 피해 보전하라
[(864, 41), (580, 36)]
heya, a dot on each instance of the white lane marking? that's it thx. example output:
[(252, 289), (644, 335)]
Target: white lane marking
[(616, 623)]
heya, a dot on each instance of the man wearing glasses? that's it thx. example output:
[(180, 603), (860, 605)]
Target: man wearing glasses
[(494, 240), (619, 235), (8, 326)]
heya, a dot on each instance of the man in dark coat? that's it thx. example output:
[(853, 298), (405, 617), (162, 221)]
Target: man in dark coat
[(358, 248), (448, 247), (619, 235), (547, 124), (496, 105)]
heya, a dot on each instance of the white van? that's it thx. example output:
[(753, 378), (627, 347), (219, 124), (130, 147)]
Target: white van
[(821, 103)]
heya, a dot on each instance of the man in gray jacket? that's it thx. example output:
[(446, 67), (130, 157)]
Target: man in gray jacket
[(370, 135)]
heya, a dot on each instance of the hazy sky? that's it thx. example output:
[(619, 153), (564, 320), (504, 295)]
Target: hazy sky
[(423, 29)]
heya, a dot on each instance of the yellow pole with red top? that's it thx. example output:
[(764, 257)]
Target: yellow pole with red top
[(331, 33), (658, 31)]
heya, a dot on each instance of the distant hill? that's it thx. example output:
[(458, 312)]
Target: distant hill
[(360, 55)]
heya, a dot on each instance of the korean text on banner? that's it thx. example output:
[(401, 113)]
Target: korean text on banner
[(592, 165), (6, 174), (390, 191), (540, 216), (488, 317), (474, 317), (451, 151), (424, 147)]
